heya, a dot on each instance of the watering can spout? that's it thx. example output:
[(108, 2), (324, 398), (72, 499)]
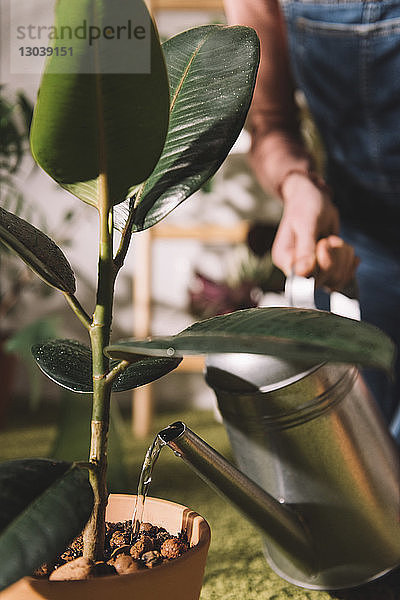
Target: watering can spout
[(275, 519)]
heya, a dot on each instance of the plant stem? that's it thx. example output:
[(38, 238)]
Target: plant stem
[(99, 336), (125, 241), (117, 370), (78, 310), (127, 232)]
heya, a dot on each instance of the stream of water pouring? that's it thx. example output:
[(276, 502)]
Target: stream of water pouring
[(150, 460)]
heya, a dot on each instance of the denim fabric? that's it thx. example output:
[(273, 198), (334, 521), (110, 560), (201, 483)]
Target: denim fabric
[(378, 279), (345, 58)]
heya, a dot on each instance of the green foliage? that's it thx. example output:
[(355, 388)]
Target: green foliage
[(101, 136), (13, 133), (37, 250), (308, 335), (87, 124), (43, 505), (69, 363), (15, 121), (212, 72)]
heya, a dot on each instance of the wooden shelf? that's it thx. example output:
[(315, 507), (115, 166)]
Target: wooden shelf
[(187, 5), (217, 234), (192, 364)]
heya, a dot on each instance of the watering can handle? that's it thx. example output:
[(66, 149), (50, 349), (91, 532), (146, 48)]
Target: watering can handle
[(299, 292)]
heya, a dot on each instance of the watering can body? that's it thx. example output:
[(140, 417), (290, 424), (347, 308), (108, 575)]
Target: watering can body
[(313, 438)]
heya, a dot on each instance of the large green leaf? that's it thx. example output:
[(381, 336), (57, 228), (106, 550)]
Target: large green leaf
[(297, 334), (114, 122), (212, 70), (37, 250), (43, 505), (69, 364)]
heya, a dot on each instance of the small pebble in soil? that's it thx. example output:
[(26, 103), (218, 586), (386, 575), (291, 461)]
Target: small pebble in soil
[(122, 555), (143, 544), (149, 529), (152, 559), (124, 564), (80, 568), (119, 538), (160, 538), (173, 548)]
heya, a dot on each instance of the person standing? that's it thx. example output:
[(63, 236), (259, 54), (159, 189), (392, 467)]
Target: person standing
[(345, 58)]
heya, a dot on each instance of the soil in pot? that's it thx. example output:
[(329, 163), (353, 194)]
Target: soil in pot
[(123, 553)]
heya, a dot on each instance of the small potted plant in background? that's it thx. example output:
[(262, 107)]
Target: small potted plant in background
[(133, 146), (248, 275)]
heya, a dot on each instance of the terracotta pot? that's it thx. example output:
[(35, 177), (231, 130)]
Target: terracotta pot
[(180, 579)]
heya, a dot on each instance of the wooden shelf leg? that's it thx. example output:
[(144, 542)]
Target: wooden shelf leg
[(142, 411), (142, 398)]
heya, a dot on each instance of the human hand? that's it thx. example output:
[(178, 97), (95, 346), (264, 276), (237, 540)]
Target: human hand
[(336, 263), (307, 240)]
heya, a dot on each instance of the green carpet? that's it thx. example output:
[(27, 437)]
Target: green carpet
[(236, 569)]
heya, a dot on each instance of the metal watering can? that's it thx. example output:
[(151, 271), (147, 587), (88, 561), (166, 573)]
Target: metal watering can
[(319, 469)]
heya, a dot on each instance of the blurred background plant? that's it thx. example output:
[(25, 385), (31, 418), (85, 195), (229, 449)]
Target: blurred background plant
[(249, 274), (17, 281)]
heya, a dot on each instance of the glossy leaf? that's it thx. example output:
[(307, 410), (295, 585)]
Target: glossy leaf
[(43, 505), (212, 70), (66, 362), (112, 122), (37, 250), (306, 335), (144, 371), (69, 364)]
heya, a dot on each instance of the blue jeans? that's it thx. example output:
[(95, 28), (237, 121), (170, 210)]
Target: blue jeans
[(345, 57), (378, 279)]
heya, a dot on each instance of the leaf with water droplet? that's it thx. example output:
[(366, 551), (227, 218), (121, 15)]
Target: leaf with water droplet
[(37, 250), (69, 364), (290, 333)]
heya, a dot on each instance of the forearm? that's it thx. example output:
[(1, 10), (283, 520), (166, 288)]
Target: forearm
[(277, 148)]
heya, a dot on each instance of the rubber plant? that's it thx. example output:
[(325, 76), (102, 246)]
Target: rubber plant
[(134, 146)]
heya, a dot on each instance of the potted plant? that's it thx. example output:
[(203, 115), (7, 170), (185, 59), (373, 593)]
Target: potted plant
[(132, 145), (106, 138)]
